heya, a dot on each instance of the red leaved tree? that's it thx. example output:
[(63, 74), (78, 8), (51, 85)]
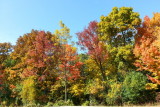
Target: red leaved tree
[(89, 40), (37, 56), (69, 67)]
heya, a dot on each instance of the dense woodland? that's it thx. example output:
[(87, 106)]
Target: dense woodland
[(119, 64)]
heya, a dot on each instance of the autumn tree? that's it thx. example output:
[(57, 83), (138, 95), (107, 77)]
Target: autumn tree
[(117, 31), (147, 49), (34, 55), (29, 92), (95, 64), (69, 65), (118, 28), (5, 50), (109, 44), (89, 40), (44, 68), (23, 45)]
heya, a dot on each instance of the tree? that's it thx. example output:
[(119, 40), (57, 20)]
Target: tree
[(89, 40), (68, 64), (118, 28), (29, 92), (5, 50), (117, 31), (147, 49), (133, 89), (69, 67), (96, 63), (35, 55)]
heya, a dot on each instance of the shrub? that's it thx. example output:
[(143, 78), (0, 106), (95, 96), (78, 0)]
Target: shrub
[(86, 103), (28, 93), (49, 104), (114, 94), (63, 103), (133, 89)]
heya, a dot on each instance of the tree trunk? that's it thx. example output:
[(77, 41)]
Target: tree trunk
[(102, 72), (65, 87), (124, 40)]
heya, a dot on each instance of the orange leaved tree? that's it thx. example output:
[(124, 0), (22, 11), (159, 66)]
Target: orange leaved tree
[(69, 66), (147, 49)]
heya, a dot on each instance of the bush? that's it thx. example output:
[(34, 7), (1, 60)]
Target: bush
[(49, 104), (28, 93), (86, 103), (32, 105), (93, 101), (133, 89), (114, 94), (5, 94), (63, 103)]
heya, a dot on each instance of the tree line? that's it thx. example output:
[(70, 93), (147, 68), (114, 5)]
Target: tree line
[(119, 64)]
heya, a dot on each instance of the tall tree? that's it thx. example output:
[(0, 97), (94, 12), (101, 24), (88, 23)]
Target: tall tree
[(89, 40), (35, 56), (147, 49), (5, 50), (118, 28), (69, 67), (117, 31)]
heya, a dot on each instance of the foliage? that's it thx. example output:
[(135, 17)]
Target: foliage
[(5, 50), (63, 103), (68, 64), (63, 34), (34, 55), (5, 93), (43, 68), (118, 28), (77, 88), (133, 89), (93, 101), (96, 49), (86, 103), (114, 94), (120, 61), (147, 49), (28, 93)]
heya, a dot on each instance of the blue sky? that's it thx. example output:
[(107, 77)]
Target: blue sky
[(18, 17)]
